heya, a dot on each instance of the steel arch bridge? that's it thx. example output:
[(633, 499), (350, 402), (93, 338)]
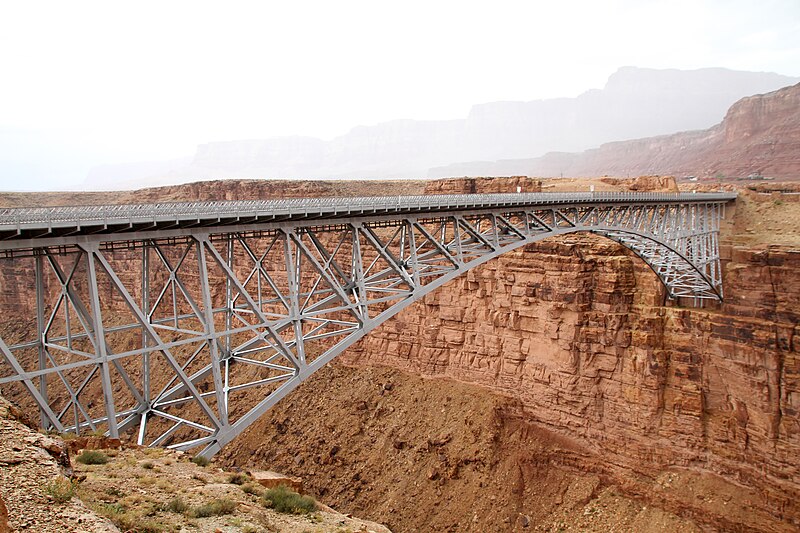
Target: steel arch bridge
[(186, 322)]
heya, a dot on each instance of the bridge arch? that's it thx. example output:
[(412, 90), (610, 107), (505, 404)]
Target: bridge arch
[(232, 315)]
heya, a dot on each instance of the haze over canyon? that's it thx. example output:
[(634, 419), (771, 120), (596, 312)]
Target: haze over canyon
[(635, 103)]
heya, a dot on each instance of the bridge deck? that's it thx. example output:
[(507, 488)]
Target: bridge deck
[(47, 222)]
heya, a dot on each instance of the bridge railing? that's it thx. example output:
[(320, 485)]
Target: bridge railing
[(299, 206)]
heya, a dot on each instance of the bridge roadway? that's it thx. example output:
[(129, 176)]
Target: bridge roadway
[(27, 227), (185, 322)]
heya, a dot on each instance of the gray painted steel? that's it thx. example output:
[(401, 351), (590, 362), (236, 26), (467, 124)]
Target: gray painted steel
[(191, 320)]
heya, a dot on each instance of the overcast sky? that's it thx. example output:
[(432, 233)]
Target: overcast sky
[(86, 83)]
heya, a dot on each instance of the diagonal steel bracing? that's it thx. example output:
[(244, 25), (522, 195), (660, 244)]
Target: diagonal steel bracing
[(187, 323)]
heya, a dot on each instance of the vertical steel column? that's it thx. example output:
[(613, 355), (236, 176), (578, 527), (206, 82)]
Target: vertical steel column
[(495, 233), (220, 390), (228, 294), (100, 341), (358, 272), (41, 335), (457, 237), (412, 247), (293, 277), (145, 344)]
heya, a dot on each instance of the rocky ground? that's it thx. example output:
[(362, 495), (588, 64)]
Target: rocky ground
[(32, 467), (138, 490)]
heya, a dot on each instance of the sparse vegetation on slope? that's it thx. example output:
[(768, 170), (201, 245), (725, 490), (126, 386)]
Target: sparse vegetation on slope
[(285, 500), (92, 457), (159, 491), (60, 489)]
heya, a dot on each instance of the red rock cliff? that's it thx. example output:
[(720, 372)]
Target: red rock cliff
[(579, 331)]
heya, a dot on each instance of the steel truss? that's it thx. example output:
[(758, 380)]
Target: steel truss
[(188, 339)]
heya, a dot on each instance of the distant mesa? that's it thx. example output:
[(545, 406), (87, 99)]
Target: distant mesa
[(759, 139), (498, 138)]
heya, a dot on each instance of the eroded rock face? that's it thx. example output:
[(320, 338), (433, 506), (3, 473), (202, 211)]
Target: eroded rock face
[(577, 330), (483, 185)]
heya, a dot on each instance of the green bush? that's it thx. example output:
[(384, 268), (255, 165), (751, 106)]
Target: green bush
[(177, 505), (215, 508), (61, 489), (109, 510), (238, 479), (201, 461), (250, 488), (285, 500), (114, 491), (134, 523), (92, 457)]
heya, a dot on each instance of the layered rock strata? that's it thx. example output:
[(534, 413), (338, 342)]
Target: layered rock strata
[(578, 331)]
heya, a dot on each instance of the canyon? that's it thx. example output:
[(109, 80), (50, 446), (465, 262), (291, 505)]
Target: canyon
[(580, 336), (556, 372)]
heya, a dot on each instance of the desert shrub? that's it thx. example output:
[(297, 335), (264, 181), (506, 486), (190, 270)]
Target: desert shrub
[(238, 479), (214, 508), (147, 465), (109, 510), (129, 521), (60, 489), (250, 488), (92, 457), (147, 481), (176, 505), (201, 461), (285, 500)]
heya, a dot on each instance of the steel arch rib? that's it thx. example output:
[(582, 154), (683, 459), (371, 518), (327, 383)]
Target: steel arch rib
[(369, 325), (683, 259)]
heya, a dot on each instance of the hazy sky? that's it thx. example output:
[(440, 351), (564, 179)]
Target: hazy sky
[(86, 83)]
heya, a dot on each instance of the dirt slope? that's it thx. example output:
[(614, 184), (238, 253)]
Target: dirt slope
[(437, 455)]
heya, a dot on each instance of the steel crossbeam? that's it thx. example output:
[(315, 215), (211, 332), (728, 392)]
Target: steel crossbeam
[(187, 334)]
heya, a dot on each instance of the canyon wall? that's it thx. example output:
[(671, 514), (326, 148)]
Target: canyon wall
[(579, 331)]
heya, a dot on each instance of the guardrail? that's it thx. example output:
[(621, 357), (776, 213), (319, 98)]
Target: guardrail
[(300, 206)]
